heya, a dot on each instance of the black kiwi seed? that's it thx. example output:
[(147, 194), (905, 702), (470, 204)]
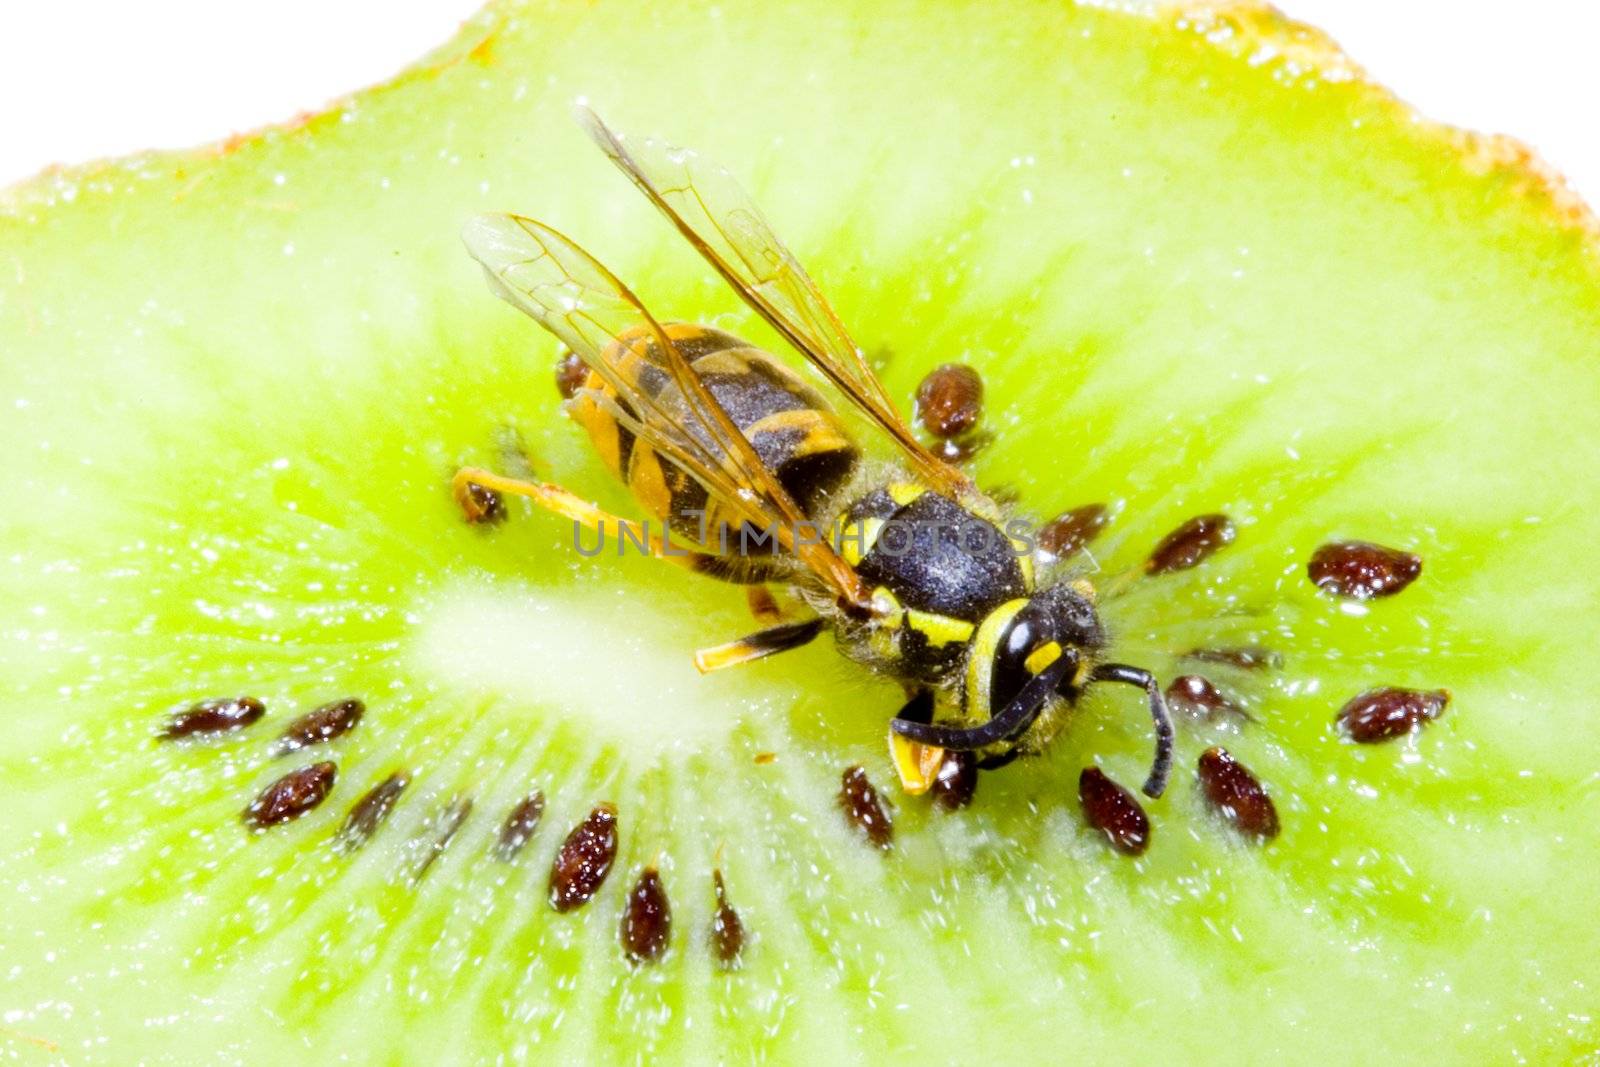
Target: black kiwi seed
[(571, 373), (584, 860), (1236, 794), (1389, 712), (1191, 544), (329, 721), (1361, 570), (430, 844), (291, 796), (1244, 657), (519, 826), (956, 781), (1113, 811), (483, 505), (864, 808), (1193, 695), (949, 401), (727, 932), (213, 717), (1070, 531), (370, 812), (647, 920)]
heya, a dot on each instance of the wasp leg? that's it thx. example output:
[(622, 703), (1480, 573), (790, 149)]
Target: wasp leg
[(564, 502), (758, 645), (1161, 767), (1012, 721), (763, 605)]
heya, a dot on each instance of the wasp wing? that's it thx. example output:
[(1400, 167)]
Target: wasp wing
[(542, 272), (718, 218)]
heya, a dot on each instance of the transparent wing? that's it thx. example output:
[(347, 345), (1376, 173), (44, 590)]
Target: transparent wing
[(718, 218), (570, 293)]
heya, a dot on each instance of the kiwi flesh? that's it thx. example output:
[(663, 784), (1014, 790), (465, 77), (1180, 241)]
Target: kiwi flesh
[(1203, 268)]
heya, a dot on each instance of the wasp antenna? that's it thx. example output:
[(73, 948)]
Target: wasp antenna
[(1161, 766)]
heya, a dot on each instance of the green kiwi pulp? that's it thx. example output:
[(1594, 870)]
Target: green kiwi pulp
[(1203, 269)]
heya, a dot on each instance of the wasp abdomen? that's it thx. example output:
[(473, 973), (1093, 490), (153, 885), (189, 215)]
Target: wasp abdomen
[(792, 429)]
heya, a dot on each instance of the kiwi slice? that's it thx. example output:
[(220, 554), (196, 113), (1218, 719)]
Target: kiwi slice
[(1203, 269)]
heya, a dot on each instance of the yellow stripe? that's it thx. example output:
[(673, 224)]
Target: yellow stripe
[(855, 539), (723, 361), (822, 431), (781, 371), (648, 481), (1024, 563), (602, 429), (938, 629), (980, 657), (795, 419), (903, 493), (1042, 657)]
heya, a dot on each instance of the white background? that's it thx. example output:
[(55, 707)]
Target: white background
[(85, 79)]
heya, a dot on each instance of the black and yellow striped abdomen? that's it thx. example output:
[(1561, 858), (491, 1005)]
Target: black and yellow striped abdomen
[(790, 426)]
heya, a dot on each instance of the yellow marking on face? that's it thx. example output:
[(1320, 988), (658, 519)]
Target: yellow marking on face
[(1024, 563), (980, 657), (1084, 588), (904, 493), (916, 764), (939, 629), (1042, 657)]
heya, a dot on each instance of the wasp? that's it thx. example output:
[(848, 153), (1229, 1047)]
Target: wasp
[(919, 574)]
